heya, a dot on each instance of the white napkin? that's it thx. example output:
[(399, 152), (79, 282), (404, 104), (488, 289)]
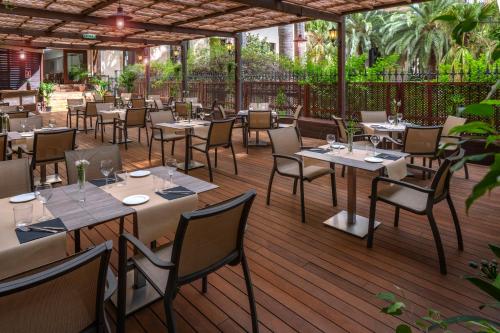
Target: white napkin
[(397, 170)]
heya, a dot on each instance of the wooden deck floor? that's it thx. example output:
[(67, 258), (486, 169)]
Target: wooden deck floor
[(311, 278)]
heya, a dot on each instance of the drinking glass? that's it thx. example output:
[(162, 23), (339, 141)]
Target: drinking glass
[(375, 139), (202, 115), (391, 119), (24, 123), (399, 117), (158, 183), (330, 138), (43, 193), (20, 108), (123, 174), (52, 123), (171, 165), (106, 168), (23, 215)]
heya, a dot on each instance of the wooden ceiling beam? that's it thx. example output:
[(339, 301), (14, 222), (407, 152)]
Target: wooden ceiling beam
[(98, 6), (40, 45), (71, 35), (213, 15), (291, 8), (48, 14)]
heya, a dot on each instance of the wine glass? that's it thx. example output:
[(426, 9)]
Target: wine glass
[(106, 168), (43, 193), (202, 115), (52, 123), (330, 138), (399, 117), (23, 124), (20, 108), (171, 165), (121, 175), (375, 139), (391, 119)]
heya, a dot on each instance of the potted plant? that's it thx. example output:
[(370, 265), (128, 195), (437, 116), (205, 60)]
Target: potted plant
[(127, 78), (45, 91), (280, 102), (100, 86)]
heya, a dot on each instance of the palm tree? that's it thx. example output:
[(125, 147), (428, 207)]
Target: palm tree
[(416, 36), (319, 46), (285, 35), (363, 31)]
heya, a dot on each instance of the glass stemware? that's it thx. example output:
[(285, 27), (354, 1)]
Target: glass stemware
[(43, 193), (24, 123), (375, 139), (202, 115), (171, 165), (20, 108), (106, 168), (391, 119), (399, 117), (52, 123), (330, 138)]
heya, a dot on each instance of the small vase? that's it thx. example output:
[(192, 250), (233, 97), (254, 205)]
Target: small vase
[(81, 185), (349, 142)]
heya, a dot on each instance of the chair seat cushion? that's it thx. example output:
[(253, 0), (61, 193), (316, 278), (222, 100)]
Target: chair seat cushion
[(403, 196), (168, 136), (310, 172), (156, 275)]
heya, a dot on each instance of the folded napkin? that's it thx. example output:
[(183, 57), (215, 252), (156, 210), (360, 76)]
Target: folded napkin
[(388, 157), (28, 236), (102, 181), (318, 150), (397, 170), (173, 193)]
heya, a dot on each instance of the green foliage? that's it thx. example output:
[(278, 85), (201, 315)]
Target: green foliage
[(128, 76), (355, 66), (257, 57), (280, 101), (100, 85), (164, 71), (78, 73), (474, 69), (46, 90), (214, 58)]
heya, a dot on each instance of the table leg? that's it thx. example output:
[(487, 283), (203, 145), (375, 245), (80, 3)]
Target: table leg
[(78, 246), (348, 221), (188, 163)]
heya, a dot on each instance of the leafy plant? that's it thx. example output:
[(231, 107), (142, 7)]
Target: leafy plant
[(280, 101), (128, 76), (162, 72), (488, 281), (46, 90), (100, 85), (78, 73)]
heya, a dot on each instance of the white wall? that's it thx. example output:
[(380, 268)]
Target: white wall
[(110, 62), (271, 34)]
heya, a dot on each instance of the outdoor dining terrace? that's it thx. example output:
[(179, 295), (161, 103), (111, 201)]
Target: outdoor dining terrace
[(234, 204)]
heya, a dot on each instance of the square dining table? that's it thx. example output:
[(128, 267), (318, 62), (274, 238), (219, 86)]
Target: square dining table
[(348, 220)]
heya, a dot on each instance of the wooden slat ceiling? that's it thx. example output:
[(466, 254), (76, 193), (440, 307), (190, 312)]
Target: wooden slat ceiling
[(156, 22)]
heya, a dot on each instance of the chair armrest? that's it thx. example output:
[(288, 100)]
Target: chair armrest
[(451, 136), (307, 147), (118, 121), (388, 138), (138, 245), (288, 157), (112, 284), (378, 179), (198, 137), (421, 168), (361, 137)]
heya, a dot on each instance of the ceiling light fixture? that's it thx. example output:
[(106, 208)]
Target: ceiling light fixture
[(22, 55)]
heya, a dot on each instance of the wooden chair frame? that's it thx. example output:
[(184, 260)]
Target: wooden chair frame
[(121, 124)]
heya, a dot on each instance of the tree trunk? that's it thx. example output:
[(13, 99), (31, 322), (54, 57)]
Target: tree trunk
[(285, 34), (300, 32)]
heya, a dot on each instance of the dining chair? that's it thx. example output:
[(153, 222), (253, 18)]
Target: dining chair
[(183, 109), (89, 97), (97, 97), (30, 124), (49, 147), (109, 99), (373, 116), (219, 135), (138, 103), (160, 106), (134, 118), (8, 108), (30, 107), (285, 143), (3, 147), (259, 106), (451, 142), (153, 97), (258, 121), (205, 241), (125, 97), (74, 106), (88, 113), (16, 177), (94, 156), (294, 119), (102, 120), (418, 200), (68, 295), (162, 134), (19, 114)]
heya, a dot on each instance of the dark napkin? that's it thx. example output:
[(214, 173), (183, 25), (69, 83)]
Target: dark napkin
[(170, 194), (388, 157), (102, 181), (318, 150), (28, 236)]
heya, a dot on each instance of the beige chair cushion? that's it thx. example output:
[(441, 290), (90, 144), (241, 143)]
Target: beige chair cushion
[(403, 196), (168, 136), (158, 276), (310, 172)]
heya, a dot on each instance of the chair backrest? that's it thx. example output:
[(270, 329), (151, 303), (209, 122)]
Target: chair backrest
[(29, 107), (451, 122), (209, 238), (50, 145), (18, 114), (91, 109), (15, 178), (65, 296), (104, 106), (34, 122), (89, 96), (126, 96), (214, 104), (94, 156), (97, 97), (75, 101), (138, 103), (170, 101), (158, 103), (259, 119), (154, 97), (161, 117), (341, 129), (441, 180), (182, 108), (191, 100), (220, 132), (218, 113), (373, 116), (3, 147), (109, 99), (284, 141), (8, 108), (421, 140), (259, 106), (296, 115), (136, 117)]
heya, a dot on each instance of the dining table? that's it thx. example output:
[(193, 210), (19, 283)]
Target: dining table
[(189, 127), (348, 220)]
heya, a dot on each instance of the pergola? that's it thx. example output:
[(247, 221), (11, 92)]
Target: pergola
[(63, 23)]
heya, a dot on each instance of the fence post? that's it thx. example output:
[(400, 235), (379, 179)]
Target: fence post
[(429, 120), (305, 100)]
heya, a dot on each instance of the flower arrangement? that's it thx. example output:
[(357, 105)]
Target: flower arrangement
[(81, 165)]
